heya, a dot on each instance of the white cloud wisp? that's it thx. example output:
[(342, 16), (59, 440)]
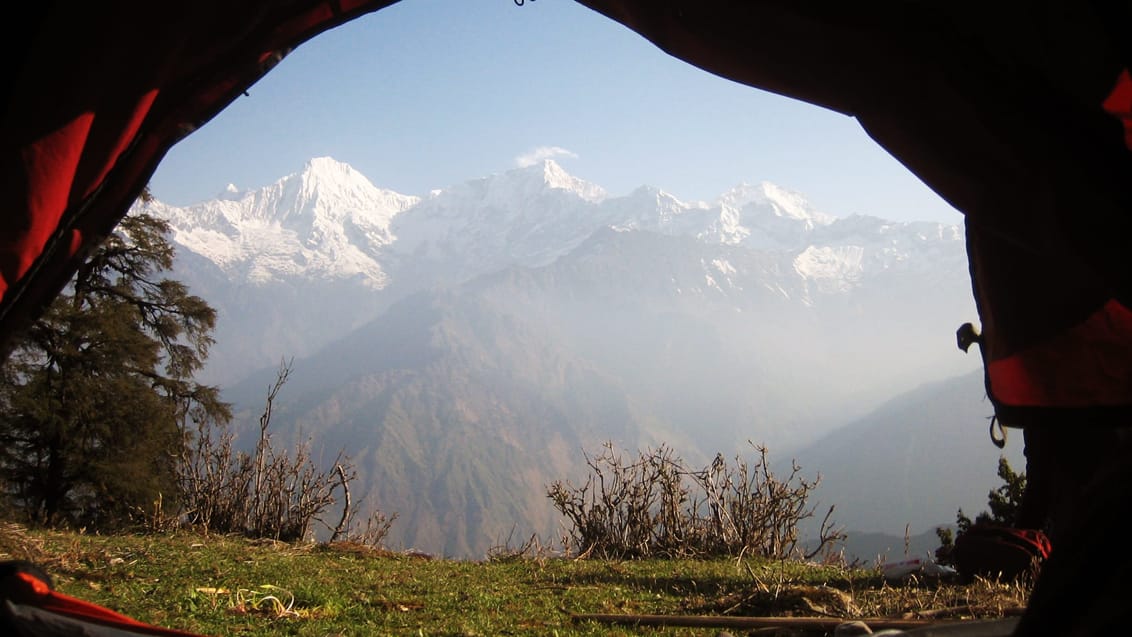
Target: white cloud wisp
[(543, 152)]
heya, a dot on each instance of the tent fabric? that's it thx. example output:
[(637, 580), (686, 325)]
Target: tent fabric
[(29, 606), (1119, 104), (1017, 113)]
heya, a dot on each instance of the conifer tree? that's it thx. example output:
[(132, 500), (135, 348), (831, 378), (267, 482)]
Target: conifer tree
[(95, 395), (1003, 502)]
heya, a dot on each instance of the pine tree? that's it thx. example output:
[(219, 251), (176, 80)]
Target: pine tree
[(95, 397), (1003, 502)]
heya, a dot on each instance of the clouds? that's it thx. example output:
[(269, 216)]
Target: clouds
[(543, 152)]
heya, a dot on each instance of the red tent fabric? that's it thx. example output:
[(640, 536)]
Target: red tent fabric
[(1017, 113), (29, 605)]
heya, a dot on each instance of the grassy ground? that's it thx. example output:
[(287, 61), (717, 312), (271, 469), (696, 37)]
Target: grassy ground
[(232, 586)]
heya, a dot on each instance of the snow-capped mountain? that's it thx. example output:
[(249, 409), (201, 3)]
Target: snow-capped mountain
[(326, 238), (500, 326), (329, 222), (326, 222), (528, 216)]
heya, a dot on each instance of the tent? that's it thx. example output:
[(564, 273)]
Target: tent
[(1019, 114)]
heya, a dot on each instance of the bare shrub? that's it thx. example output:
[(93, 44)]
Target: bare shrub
[(750, 509), (625, 510), (655, 507), (532, 549), (375, 529), (267, 493)]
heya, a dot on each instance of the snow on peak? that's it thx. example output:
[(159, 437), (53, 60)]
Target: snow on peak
[(330, 221), (330, 173), (555, 175), (650, 198), (832, 267), (327, 184), (326, 191), (763, 216), (652, 209), (549, 174), (326, 221), (775, 200), (530, 215)]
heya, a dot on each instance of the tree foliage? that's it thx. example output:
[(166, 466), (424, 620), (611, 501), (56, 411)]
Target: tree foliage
[(1003, 503), (94, 397)]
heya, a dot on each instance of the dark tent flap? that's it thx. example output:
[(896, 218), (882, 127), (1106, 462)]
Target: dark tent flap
[(1119, 104)]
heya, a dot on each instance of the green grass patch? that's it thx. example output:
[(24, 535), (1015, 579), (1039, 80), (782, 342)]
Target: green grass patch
[(233, 586)]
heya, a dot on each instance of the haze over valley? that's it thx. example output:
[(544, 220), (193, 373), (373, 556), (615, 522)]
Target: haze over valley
[(466, 346)]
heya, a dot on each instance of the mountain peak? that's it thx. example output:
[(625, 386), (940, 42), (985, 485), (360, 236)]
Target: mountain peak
[(328, 187), (553, 172), (746, 193), (326, 222), (328, 171), (549, 174), (777, 200)]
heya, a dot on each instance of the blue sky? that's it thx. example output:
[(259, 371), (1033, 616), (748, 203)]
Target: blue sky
[(429, 93)]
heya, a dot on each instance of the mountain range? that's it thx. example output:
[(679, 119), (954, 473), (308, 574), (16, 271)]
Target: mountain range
[(467, 346)]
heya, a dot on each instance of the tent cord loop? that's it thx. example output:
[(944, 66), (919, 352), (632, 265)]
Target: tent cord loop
[(997, 432)]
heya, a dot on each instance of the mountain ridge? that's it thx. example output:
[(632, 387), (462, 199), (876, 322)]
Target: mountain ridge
[(343, 231), (473, 347), (916, 456)]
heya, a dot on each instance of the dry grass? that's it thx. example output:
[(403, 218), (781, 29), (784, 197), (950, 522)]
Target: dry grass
[(872, 597), (225, 585), (17, 544)]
